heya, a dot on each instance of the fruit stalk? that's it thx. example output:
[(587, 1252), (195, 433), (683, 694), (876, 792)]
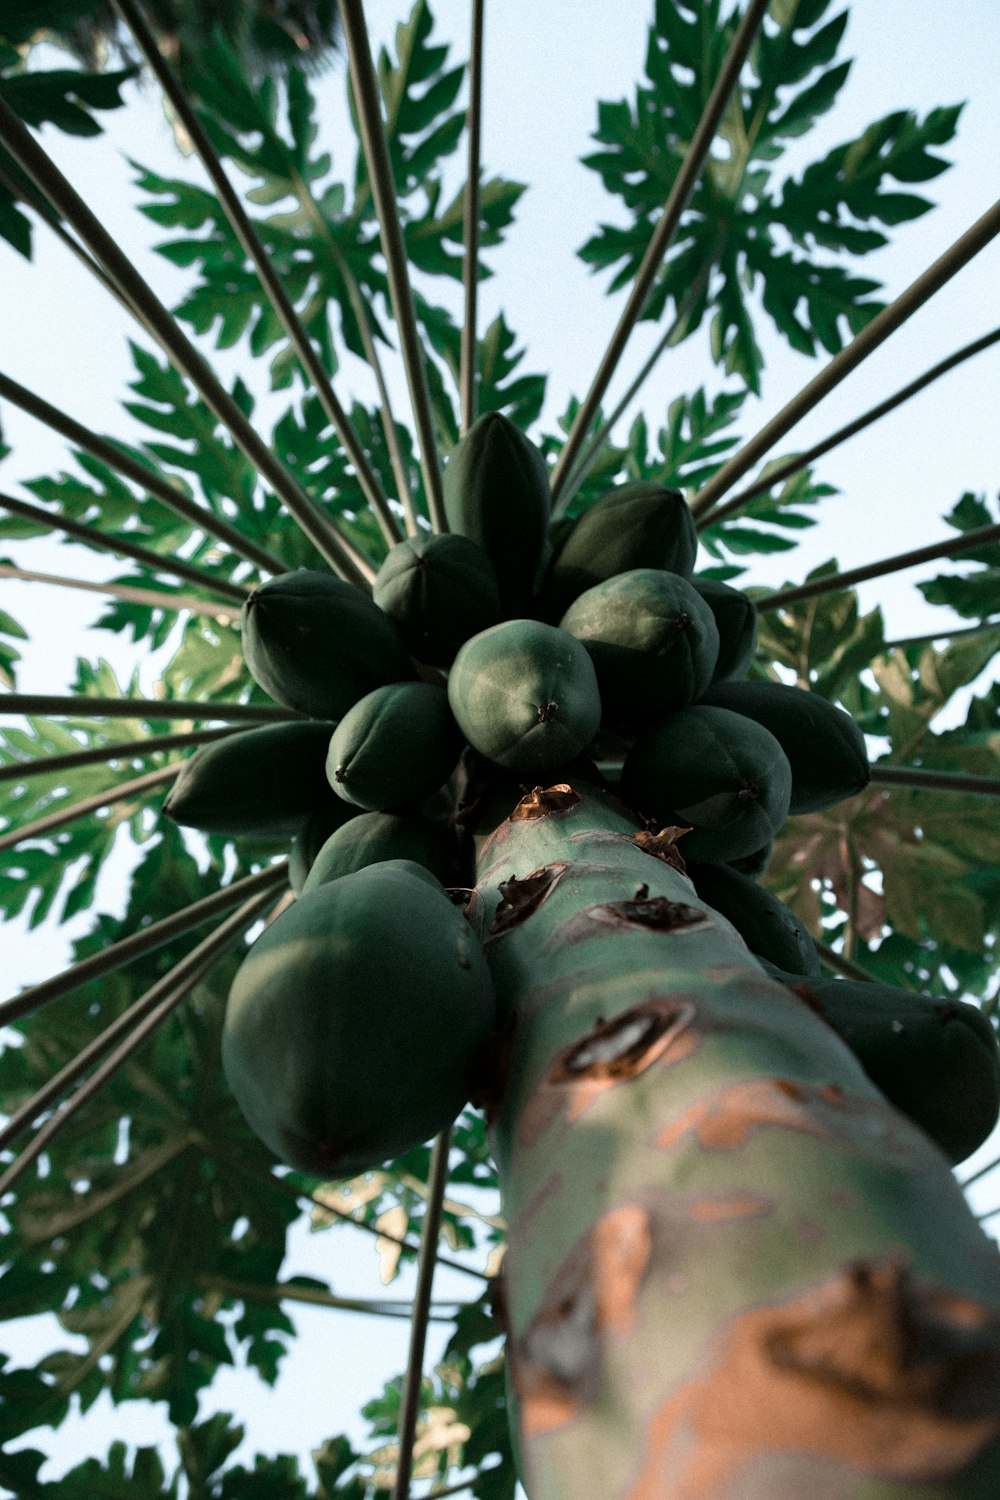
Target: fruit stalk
[(733, 1269)]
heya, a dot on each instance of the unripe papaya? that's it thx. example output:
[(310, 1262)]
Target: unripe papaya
[(713, 771), (372, 837), (525, 695), (394, 747), (736, 618), (261, 782), (769, 928), (313, 834), (496, 492), (825, 747), (437, 589), (317, 644), (936, 1061), (355, 1025), (653, 641), (756, 863), (639, 525)]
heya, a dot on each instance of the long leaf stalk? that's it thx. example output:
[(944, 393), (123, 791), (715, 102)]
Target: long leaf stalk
[(119, 547), (128, 592), (938, 781), (968, 245), (431, 1229), (250, 241), (284, 1291), (470, 262), (81, 706), (966, 541), (136, 1025), (338, 551), (124, 791), (841, 964), (290, 1190), (147, 478), (26, 192), (798, 461), (980, 1173), (73, 760), (902, 643), (685, 1144), (117, 955), (673, 336), (376, 153), (662, 236)]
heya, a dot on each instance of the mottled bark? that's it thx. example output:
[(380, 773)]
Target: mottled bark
[(734, 1273)]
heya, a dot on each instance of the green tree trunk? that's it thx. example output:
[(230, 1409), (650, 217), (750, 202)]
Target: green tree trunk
[(734, 1271)]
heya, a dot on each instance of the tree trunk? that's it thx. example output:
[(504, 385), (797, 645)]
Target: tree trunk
[(734, 1272)]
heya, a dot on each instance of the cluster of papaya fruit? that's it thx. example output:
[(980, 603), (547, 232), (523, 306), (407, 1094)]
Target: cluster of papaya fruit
[(530, 643)]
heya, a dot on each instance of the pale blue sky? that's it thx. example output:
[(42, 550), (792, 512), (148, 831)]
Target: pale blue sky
[(546, 64)]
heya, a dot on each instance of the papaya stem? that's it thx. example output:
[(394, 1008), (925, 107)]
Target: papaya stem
[(144, 474), (799, 461), (470, 265), (968, 541), (136, 1025), (122, 548), (82, 706), (250, 241), (871, 336), (126, 591), (376, 153), (662, 236), (146, 940), (120, 793), (426, 1262), (333, 546), (940, 781)]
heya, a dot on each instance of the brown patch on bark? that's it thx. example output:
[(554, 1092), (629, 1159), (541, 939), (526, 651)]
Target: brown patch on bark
[(725, 1121), (662, 845), (556, 1362), (612, 1052), (655, 913), (735, 1206), (890, 1378), (523, 897), (541, 803)]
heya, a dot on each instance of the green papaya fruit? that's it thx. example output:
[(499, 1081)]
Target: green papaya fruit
[(653, 641), (394, 747), (356, 1024), (315, 831), (261, 782), (756, 863), (936, 1061), (373, 837), (711, 770), (825, 747), (437, 589), (737, 621), (769, 928), (317, 644), (496, 492), (525, 695), (640, 525)]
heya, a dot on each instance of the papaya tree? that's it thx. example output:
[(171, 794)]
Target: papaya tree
[(505, 883)]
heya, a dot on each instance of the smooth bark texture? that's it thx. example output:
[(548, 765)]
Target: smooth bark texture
[(734, 1272)]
